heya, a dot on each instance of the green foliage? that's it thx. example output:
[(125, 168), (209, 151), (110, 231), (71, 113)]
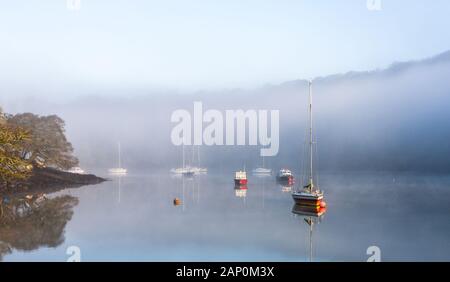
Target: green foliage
[(48, 145), (12, 165)]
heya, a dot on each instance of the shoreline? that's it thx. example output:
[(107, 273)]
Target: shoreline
[(49, 180)]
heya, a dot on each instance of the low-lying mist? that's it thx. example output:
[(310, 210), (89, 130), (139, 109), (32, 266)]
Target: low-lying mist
[(393, 119)]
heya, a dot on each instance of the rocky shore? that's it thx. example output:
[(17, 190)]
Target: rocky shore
[(47, 180)]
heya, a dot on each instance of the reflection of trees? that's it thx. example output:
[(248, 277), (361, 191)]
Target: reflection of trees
[(27, 224)]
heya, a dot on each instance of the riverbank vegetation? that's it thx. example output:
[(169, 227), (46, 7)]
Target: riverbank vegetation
[(34, 150)]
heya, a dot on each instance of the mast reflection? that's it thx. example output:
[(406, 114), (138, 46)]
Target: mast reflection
[(189, 184), (311, 216)]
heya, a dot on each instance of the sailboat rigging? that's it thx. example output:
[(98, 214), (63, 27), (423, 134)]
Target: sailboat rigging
[(310, 194), (118, 170), (262, 171), (190, 169)]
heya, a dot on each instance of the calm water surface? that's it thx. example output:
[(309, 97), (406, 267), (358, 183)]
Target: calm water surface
[(133, 218)]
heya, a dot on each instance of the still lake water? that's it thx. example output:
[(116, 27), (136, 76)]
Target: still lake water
[(133, 218)]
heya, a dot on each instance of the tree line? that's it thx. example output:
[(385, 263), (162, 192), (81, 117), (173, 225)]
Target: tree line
[(27, 141)]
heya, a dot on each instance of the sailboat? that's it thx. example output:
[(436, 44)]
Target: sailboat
[(262, 171), (76, 170), (118, 170), (240, 178), (310, 195), (285, 176), (184, 170), (198, 169)]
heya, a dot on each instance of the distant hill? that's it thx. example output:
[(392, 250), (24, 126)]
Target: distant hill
[(396, 118)]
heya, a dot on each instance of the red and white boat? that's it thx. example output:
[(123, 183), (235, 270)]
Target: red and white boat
[(309, 195), (240, 178), (285, 176)]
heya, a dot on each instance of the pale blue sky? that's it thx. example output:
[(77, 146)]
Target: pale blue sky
[(209, 44)]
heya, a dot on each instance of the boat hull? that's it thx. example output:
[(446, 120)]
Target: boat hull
[(240, 182), (308, 200), (262, 171), (118, 171), (188, 174), (285, 179)]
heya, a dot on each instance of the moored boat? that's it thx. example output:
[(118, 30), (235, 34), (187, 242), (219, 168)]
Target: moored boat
[(200, 170), (310, 195), (285, 176), (77, 170), (118, 170), (179, 170), (261, 171), (240, 178), (190, 170)]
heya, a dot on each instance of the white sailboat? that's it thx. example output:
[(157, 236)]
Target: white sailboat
[(309, 195), (262, 171), (189, 170), (76, 170), (118, 170), (184, 170), (197, 169)]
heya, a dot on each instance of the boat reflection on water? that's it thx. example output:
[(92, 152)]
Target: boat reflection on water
[(33, 221), (316, 212), (286, 188), (240, 191), (311, 216), (119, 187)]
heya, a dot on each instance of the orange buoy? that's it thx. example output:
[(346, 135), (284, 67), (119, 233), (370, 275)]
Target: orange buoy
[(323, 204), (176, 202)]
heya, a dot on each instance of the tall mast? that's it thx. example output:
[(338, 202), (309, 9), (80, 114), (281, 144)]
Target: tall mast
[(184, 162), (193, 156), (120, 162), (310, 138), (198, 155)]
